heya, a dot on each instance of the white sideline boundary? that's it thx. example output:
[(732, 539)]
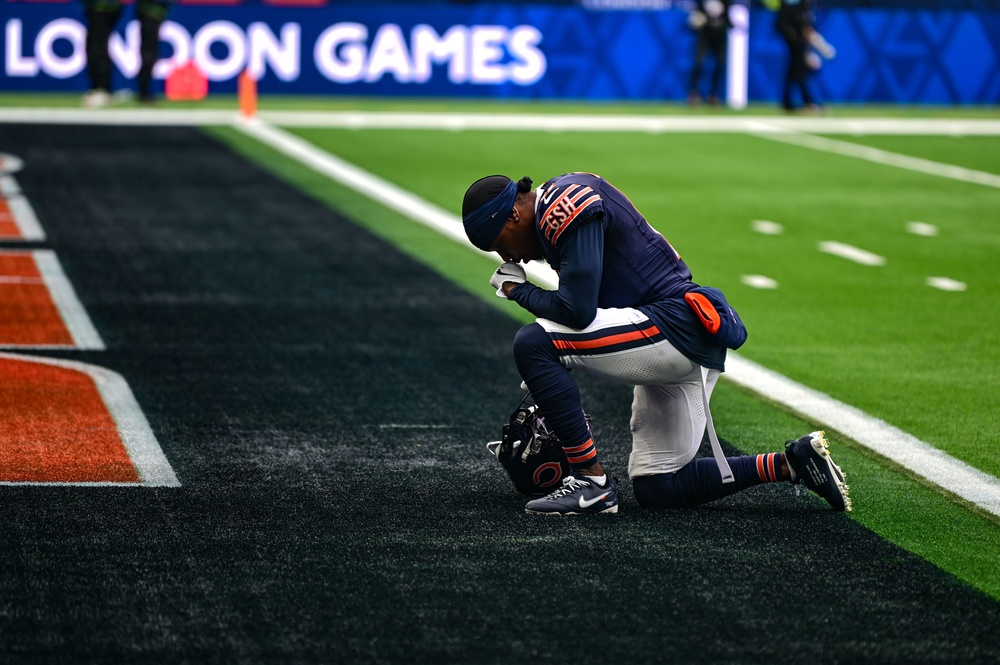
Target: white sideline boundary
[(525, 122), (928, 462), (140, 443), (796, 130)]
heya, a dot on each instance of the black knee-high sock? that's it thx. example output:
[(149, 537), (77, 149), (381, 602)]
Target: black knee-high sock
[(555, 392), (700, 481)]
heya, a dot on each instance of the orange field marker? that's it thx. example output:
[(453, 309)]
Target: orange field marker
[(55, 427), (248, 94)]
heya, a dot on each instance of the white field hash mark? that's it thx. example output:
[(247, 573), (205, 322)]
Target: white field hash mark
[(921, 229), (934, 465), (945, 284), (412, 426), (767, 227), (851, 253), (759, 282)]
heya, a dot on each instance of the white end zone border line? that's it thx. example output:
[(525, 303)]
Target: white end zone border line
[(140, 443), (25, 219), (20, 210), (892, 443)]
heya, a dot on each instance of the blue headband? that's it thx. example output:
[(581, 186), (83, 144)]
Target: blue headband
[(484, 224)]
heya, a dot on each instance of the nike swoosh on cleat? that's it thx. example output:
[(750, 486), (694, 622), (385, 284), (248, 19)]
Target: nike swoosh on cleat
[(587, 504)]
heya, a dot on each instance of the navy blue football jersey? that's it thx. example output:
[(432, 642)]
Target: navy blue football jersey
[(639, 268), (639, 265)]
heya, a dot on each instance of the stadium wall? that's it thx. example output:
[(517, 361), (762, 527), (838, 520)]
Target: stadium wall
[(519, 51)]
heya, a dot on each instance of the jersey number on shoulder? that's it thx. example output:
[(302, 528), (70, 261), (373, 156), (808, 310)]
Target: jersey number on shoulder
[(561, 212)]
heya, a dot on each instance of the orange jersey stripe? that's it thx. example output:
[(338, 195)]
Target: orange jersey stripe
[(566, 204), (565, 224), (606, 341), (569, 192)]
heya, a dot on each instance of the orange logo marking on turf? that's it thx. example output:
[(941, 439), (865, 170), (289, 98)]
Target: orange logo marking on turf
[(55, 427), (28, 315), (9, 230), (61, 421)]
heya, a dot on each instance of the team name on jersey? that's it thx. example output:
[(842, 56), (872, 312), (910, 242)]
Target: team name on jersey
[(561, 206)]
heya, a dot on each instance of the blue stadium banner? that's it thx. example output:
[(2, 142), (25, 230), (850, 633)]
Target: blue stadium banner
[(590, 52)]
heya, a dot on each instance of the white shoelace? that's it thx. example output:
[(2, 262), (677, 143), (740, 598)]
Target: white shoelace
[(570, 484)]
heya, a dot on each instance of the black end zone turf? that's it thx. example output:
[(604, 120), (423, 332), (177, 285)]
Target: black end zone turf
[(325, 402)]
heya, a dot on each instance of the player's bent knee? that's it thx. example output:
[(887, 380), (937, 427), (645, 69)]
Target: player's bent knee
[(532, 342), (659, 491)]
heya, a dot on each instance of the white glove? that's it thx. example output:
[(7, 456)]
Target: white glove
[(508, 272)]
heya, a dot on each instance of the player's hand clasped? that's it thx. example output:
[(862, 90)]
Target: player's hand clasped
[(508, 272)]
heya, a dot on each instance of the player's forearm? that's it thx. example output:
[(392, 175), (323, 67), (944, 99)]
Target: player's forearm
[(574, 304), (554, 305)]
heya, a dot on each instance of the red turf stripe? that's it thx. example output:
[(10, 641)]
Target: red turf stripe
[(28, 315), (9, 230), (55, 427)]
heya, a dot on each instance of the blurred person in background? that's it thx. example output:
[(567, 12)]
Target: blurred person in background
[(102, 16), (806, 50), (792, 23), (710, 20)]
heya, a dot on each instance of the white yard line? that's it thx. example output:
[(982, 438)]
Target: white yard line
[(921, 458), (775, 132), (541, 122)]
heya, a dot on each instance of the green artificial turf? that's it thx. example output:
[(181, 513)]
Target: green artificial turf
[(919, 518)]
